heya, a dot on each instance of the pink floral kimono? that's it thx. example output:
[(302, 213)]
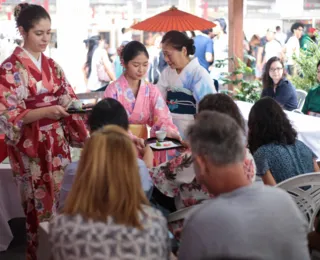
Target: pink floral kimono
[(148, 108), (176, 179), (38, 151)]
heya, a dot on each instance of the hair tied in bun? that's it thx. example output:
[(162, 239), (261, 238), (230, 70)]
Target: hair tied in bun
[(120, 53), (18, 9), (193, 51), (190, 47)]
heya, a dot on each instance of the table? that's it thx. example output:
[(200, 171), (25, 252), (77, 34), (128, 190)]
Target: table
[(308, 127), (44, 251), (10, 205), (10, 202)]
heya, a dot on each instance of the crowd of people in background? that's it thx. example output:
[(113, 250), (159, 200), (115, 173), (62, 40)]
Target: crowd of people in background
[(103, 64), (112, 203), (211, 50)]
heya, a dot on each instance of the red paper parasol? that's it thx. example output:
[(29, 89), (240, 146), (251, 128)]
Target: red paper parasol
[(173, 19)]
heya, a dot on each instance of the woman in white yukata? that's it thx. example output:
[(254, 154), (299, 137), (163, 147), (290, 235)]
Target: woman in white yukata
[(184, 82)]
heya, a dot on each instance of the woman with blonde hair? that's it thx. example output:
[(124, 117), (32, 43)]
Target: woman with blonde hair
[(106, 213)]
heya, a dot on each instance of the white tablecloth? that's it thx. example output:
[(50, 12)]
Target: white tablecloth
[(10, 205), (308, 127), (10, 202)]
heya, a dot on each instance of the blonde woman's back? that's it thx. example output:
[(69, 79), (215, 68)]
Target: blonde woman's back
[(74, 237), (106, 214)]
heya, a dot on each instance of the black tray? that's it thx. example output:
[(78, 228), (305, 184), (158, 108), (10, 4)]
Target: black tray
[(153, 140), (78, 111)]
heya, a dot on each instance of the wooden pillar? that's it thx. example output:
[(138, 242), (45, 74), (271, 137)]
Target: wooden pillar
[(235, 16)]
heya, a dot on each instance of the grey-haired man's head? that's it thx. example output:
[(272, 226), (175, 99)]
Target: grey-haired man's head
[(218, 146)]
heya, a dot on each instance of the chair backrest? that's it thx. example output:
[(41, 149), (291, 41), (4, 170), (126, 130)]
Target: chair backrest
[(185, 212), (297, 111), (181, 214), (301, 96), (305, 190)]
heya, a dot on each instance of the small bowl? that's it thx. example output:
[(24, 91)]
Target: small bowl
[(77, 104), (161, 135)]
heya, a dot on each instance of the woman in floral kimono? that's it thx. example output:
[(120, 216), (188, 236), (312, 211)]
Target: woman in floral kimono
[(34, 95), (142, 100), (176, 178), (184, 82)]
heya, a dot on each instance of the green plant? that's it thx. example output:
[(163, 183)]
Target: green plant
[(246, 87), (306, 77)]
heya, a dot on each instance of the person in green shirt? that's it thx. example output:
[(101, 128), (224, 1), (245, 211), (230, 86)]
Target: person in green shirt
[(307, 39), (312, 103)]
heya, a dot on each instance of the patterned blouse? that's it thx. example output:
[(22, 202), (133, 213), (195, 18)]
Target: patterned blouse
[(73, 237), (176, 179), (284, 161)]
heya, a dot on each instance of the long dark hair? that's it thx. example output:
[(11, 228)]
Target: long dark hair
[(267, 81), (93, 44), (224, 104), (268, 123)]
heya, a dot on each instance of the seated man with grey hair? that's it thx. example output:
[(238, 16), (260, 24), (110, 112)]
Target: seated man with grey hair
[(244, 220)]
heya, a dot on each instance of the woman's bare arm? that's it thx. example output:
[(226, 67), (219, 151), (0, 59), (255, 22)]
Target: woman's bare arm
[(316, 166), (268, 179)]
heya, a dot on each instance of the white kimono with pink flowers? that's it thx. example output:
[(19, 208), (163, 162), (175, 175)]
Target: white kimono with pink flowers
[(148, 108)]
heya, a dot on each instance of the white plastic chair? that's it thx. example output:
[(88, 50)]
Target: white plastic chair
[(184, 213), (301, 96), (305, 190), (181, 214), (297, 111)]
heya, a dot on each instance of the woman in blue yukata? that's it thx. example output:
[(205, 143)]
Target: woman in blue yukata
[(184, 82)]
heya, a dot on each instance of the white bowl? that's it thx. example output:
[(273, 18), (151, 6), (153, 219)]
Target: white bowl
[(161, 135)]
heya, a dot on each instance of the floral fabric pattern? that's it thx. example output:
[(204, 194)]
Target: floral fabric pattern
[(148, 108), (38, 151), (191, 84), (176, 179)]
